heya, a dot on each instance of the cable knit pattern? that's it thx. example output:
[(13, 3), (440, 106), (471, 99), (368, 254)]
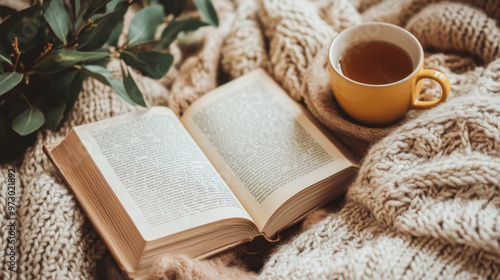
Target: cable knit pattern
[(425, 204), (471, 32), (339, 14), (244, 48), (198, 73), (295, 33)]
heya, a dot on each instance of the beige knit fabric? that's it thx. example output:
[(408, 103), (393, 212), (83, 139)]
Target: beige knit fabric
[(424, 205), (245, 31), (198, 72)]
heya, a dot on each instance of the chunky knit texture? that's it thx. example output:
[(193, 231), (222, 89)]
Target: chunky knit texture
[(425, 203)]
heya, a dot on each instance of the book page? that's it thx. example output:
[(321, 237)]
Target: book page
[(164, 181), (261, 142)]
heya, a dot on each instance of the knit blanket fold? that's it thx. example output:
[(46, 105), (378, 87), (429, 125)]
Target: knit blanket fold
[(425, 203)]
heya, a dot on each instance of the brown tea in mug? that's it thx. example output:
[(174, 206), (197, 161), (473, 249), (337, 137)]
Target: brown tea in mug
[(375, 62)]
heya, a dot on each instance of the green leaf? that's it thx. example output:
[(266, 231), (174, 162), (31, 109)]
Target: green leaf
[(45, 4), (94, 7), (105, 76), (61, 81), (207, 11), (144, 24), (131, 87), (153, 64), (76, 7), (9, 80), (174, 7), (71, 96), (95, 37), (173, 29), (54, 114), (115, 35), (59, 59), (83, 5), (113, 5), (28, 121), (4, 56), (57, 17), (98, 70)]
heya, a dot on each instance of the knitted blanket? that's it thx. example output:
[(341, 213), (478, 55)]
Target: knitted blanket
[(425, 203)]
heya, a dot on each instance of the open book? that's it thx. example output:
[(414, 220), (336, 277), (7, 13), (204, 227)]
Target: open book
[(244, 160)]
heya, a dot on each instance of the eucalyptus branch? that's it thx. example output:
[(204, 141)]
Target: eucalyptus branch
[(48, 69)]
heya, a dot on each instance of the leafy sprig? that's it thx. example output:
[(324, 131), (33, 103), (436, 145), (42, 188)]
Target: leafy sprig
[(49, 48)]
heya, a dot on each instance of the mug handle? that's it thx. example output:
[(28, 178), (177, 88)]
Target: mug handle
[(441, 79)]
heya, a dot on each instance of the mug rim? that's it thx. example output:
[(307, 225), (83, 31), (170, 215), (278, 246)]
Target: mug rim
[(387, 25)]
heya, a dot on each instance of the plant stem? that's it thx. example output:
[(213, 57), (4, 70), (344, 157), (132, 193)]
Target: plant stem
[(77, 33), (17, 53), (26, 99), (46, 49)]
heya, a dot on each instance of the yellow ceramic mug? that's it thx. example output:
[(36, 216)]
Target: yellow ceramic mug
[(380, 104)]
